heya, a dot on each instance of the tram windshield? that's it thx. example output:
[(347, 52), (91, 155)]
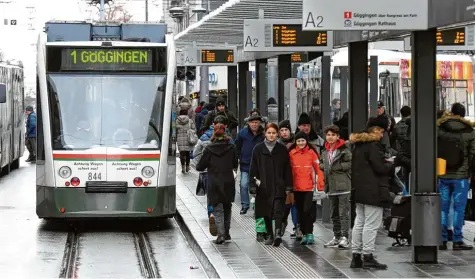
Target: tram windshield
[(124, 111)]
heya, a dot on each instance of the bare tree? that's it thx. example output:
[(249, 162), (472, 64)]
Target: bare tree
[(112, 11)]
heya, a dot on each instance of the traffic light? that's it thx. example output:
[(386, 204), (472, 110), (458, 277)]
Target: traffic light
[(180, 75), (190, 74)]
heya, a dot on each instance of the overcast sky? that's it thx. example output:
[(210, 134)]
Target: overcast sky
[(17, 42)]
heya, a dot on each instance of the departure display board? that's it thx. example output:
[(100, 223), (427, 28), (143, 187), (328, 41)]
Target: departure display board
[(452, 37), (101, 59), (298, 57), (291, 35), (217, 56)]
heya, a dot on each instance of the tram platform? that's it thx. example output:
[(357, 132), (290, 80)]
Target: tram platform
[(243, 257)]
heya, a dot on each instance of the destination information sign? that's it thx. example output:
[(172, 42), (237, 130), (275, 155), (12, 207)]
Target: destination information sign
[(298, 57), (275, 35), (217, 56), (458, 39), (100, 59)]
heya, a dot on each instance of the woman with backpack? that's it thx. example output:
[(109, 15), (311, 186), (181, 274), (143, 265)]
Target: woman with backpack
[(184, 124)]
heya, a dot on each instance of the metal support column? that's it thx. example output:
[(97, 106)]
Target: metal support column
[(284, 72), (232, 80), (261, 86), (373, 85), (243, 68), (326, 91), (358, 94), (249, 91), (426, 203), (358, 86), (344, 87), (204, 92)]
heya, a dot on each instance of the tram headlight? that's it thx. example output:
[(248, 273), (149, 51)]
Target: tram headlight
[(148, 172), (64, 172)]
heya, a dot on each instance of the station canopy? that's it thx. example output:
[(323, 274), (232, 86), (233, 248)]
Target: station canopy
[(225, 24)]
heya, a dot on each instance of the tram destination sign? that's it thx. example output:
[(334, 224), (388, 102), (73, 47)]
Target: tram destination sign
[(349, 15), (217, 56), (458, 39), (100, 59), (273, 35), (213, 56)]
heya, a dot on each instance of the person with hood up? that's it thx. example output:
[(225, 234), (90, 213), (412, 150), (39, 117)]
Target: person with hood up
[(186, 104), (336, 162), (370, 191), (220, 109), (287, 139), (245, 142), (184, 124), (307, 178), (201, 115), (270, 180), (202, 143), (220, 159), (456, 146)]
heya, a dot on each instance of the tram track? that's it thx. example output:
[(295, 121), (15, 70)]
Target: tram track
[(139, 240)]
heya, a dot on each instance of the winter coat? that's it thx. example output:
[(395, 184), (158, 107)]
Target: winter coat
[(403, 142), (273, 169), (245, 142), (307, 174), (220, 159), (185, 104), (203, 142), (183, 125), (370, 171), (199, 118), (31, 125), (337, 173), (450, 125)]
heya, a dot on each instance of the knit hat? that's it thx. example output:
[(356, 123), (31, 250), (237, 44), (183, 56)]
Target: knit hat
[(285, 124), (380, 104), (381, 122), (304, 119), (220, 119), (301, 135), (220, 101)]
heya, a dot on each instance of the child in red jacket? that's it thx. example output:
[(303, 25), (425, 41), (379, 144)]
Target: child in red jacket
[(307, 176)]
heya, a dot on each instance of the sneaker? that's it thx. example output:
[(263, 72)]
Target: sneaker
[(310, 239), (344, 243), (333, 243), (460, 245), (212, 226), (303, 240)]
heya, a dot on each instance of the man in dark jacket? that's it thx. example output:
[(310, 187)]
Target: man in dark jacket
[(370, 191), (401, 140), (456, 146), (245, 142), (31, 133), (220, 109)]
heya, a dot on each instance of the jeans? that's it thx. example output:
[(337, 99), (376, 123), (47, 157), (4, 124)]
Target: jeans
[(244, 190), (450, 215), (340, 205), (367, 222), (456, 189)]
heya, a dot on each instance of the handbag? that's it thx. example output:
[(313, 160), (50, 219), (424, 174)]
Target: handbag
[(261, 225), (191, 135), (201, 186)]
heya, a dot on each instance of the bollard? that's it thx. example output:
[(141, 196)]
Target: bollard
[(426, 227)]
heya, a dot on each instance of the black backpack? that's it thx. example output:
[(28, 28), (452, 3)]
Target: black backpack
[(451, 149)]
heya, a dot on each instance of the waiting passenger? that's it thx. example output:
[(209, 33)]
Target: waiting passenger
[(184, 124), (336, 161), (220, 159), (270, 180), (307, 176)]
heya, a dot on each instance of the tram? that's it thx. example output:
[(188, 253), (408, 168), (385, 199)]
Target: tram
[(104, 112), (12, 119)]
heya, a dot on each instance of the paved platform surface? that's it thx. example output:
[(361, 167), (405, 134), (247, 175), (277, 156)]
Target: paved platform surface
[(243, 257)]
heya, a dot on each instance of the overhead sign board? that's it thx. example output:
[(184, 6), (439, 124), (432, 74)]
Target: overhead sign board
[(210, 56), (365, 15), (298, 57), (283, 35), (459, 39)]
